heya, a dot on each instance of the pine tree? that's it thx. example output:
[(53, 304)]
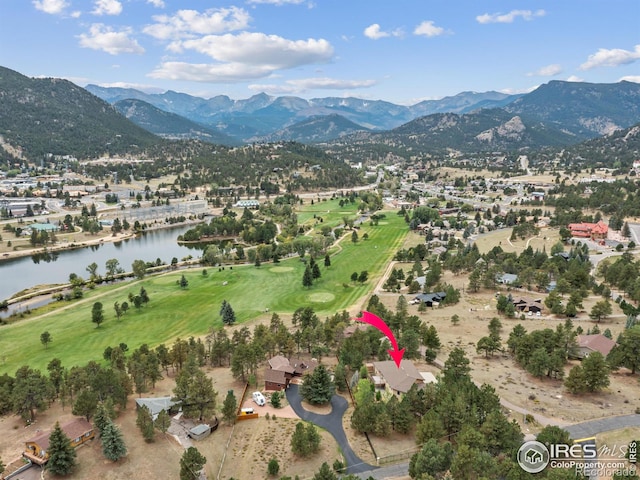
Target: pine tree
[(113, 446), (307, 277), (229, 407), (227, 313), (327, 260), (315, 271), (163, 421), (101, 418), (325, 473), (62, 456), (299, 441), (191, 463), (318, 388), (275, 400), (144, 421), (184, 283)]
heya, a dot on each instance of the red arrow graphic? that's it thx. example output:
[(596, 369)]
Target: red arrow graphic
[(377, 322)]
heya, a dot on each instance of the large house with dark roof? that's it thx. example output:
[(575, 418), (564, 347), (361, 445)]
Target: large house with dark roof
[(78, 430), (396, 380), (281, 370)]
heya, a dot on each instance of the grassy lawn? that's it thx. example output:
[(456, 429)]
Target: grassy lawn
[(545, 240), (173, 312), (330, 211)]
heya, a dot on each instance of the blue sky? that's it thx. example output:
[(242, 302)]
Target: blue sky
[(402, 51)]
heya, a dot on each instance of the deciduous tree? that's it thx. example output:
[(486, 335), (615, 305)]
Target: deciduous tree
[(45, 339), (139, 268), (97, 315)]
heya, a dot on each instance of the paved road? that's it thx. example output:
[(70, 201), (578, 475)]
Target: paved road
[(331, 422), (593, 427)]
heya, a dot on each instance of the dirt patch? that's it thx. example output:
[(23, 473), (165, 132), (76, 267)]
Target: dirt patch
[(255, 442), (544, 396)]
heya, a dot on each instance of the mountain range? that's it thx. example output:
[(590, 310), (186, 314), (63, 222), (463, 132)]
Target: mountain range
[(48, 115), (556, 113), (261, 116)]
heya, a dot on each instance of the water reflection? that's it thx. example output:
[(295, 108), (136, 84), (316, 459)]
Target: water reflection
[(18, 274)]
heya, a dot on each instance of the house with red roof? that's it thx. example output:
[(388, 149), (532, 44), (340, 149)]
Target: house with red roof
[(594, 231)]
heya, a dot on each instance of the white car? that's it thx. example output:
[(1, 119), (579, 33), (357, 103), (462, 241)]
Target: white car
[(259, 399)]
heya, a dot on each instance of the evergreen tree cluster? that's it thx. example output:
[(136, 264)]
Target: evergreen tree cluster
[(305, 440)]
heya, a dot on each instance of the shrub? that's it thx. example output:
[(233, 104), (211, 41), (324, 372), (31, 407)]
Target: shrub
[(273, 467)]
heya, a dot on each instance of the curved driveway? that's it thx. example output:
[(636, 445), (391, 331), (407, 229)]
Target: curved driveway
[(332, 423)]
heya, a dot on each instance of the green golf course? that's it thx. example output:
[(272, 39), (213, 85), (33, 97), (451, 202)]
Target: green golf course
[(173, 312)]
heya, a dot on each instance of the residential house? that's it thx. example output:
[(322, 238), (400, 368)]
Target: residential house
[(430, 299), (507, 279), (537, 196), (396, 380), (523, 304), (78, 430), (588, 344), (595, 231), (282, 370), (156, 405), (349, 330)]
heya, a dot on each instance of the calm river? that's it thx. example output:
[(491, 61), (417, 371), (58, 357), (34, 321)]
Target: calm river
[(25, 272)]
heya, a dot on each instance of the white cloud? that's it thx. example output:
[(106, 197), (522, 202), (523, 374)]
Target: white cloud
[(428, 29), (611, 58), (574, 78), (187, 23), (156, 3), (244, 56), (76, 14), (547, 71), (102, 37), (630, 78), (306, 84), (52, 7), (509, 17), (211, 73), (373, 32), (107, 7), (261, 49)]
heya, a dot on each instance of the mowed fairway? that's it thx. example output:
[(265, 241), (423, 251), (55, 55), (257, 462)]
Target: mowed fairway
[(173, 312), (330, 211)]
